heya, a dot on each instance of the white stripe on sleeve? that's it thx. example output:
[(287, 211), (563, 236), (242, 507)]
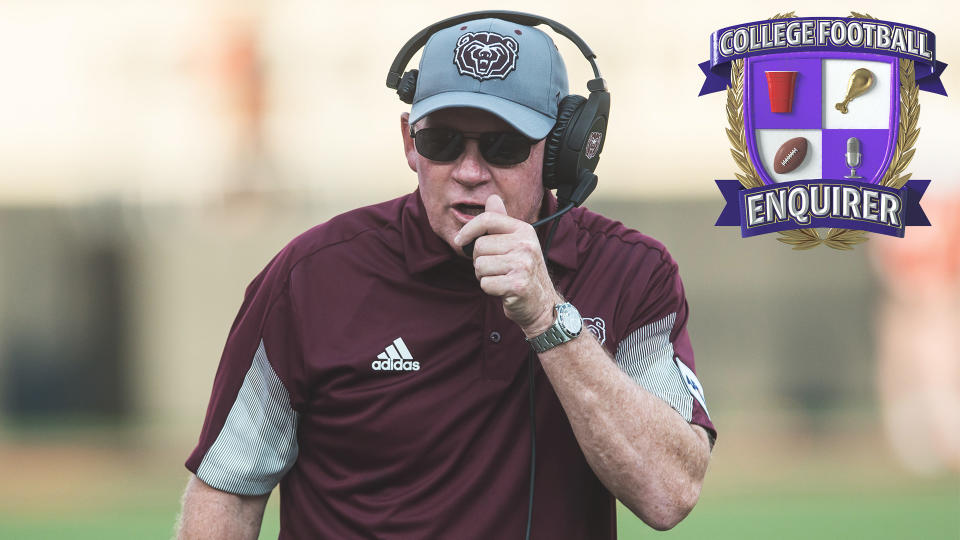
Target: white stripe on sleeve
[(258, 442), (647, 356)]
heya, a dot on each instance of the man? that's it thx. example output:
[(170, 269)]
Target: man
[(379, 374)]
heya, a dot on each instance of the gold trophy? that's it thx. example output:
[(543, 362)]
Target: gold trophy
[(860, 81)]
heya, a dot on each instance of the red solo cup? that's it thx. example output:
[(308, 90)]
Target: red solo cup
[(780, 86)]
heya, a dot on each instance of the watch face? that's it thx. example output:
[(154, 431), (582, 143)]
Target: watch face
[(569, 319)]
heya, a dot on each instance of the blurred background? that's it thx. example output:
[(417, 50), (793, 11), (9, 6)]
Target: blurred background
[(155, 155)]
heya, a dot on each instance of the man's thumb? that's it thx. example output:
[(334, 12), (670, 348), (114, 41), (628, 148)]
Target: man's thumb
[(495, 204)]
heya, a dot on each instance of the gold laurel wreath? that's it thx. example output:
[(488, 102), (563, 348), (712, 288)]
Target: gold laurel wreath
[(841, 239)]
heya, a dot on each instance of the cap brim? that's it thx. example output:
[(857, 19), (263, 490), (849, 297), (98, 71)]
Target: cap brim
[(527, 121)]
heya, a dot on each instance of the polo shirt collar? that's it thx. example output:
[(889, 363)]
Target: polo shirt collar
[(423, 249)]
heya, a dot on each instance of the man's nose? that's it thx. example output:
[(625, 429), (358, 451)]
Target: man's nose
[(471, 170)]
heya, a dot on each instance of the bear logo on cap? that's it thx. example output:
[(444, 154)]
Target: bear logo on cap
[(485, 55)]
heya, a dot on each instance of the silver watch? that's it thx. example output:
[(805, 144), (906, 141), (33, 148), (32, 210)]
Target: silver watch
[(567, 324)]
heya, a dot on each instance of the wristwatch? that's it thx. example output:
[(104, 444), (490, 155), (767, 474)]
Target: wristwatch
[(567, 324)]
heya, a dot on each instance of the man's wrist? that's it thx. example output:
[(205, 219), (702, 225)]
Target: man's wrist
[(544, 321)]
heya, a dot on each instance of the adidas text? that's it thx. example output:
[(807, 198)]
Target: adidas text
[(396, 365)]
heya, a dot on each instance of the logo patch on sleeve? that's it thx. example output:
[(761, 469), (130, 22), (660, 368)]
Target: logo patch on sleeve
[(485, 55), (597, 327), (693, 384)]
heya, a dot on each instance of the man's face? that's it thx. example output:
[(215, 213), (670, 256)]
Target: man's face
[(455, 192)]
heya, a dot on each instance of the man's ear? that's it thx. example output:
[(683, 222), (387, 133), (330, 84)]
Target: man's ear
[(408, 149)]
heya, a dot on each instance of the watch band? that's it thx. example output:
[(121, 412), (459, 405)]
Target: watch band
[(551, 338)]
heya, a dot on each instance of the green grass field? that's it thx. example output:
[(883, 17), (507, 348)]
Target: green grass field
[(758, 487), (933, 513)]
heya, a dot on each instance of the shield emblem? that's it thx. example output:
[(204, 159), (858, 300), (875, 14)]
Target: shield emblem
[(787, 97), (593, 144)]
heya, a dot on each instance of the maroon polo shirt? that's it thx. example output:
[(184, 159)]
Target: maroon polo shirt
[(369, 375)]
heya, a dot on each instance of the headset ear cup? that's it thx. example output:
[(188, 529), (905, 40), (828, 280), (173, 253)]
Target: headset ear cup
[(554, 144), (408, 86)]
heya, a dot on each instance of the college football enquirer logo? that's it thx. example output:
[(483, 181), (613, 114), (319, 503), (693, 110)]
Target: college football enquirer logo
[(822, 115), (485, 55)]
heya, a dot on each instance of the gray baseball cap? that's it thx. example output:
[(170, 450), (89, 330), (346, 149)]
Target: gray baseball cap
[(508, 69)]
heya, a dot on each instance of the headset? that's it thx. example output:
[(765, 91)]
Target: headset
[(570, 155)]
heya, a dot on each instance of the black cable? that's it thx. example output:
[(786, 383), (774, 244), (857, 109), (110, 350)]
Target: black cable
[(556, 216), (531, 358), (533, 443)]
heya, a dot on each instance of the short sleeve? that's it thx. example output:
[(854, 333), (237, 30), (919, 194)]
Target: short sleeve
[(656, 351), (249, 437)]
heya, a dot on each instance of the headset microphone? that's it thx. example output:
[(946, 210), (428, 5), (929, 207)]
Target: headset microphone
[(583, 189), (468, 248)]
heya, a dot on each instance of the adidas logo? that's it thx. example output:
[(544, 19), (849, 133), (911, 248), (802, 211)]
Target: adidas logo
[(396, 357)]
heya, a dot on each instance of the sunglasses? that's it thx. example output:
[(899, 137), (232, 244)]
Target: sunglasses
[(497, 148)]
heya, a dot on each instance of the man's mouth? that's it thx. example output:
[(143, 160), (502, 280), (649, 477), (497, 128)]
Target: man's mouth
[(469, 209)]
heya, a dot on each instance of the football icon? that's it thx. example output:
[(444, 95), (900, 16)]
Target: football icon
[(790, 155)]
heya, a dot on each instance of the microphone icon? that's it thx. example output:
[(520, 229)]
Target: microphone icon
[(853, 157)]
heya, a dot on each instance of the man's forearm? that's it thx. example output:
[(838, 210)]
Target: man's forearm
[(211, 514), (640, 448), (646, 454)]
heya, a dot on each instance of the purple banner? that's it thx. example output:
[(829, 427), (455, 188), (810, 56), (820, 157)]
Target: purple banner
[(841, 204), (846, 34)]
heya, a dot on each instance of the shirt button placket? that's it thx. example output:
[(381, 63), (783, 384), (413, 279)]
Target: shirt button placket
[(496, 364)]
